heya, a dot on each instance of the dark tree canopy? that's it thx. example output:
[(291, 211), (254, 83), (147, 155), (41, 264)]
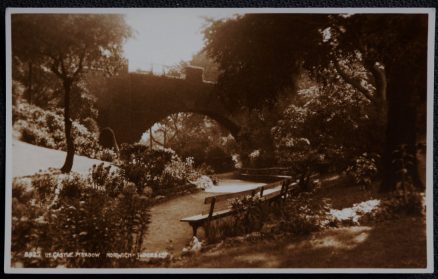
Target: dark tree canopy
[(260, 54)]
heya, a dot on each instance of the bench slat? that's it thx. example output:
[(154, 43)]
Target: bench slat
[(231, 195), (204, 217), (242, 193)]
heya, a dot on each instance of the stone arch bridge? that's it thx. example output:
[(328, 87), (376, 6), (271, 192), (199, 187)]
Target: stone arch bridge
[(130, 103)]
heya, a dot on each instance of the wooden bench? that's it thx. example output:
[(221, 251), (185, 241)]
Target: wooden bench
[(267, 192)]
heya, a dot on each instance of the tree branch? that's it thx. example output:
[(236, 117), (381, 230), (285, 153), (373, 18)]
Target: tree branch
[(355, 83), (81, 61), (62, 66), (55, 67)]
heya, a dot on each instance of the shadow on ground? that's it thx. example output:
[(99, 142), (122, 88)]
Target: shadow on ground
[(396, 244)]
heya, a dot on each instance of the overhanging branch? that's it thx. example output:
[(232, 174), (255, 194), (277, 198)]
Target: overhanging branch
[(354, 82)]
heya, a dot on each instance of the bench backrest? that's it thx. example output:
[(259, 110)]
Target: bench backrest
[(259, 190), (252, 192)]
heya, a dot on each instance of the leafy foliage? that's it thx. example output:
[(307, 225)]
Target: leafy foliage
[(46, 128), (158, 169), (363, 170), (72, 214), (197, 136), (323, 128), (251, 213), (305, 213), (260, 54)]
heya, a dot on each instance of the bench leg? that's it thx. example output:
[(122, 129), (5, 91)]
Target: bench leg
[(195, 229)]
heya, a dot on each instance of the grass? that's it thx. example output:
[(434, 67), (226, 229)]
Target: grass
[(398, 243)]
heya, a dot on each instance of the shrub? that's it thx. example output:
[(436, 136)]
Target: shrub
[(304, 214), (401, 203), (156, 168), (363, 170), (107, 155), (251, 213), (142, 165), (46, 128), (104, 178), (99, 214)]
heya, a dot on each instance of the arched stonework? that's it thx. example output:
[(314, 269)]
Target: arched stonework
[(131, 103)]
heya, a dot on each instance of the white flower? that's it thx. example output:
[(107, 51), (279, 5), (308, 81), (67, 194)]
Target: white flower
[(254, 154)]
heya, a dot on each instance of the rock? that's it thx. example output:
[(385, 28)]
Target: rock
[(159, 197), (196, 245), (203, 182)]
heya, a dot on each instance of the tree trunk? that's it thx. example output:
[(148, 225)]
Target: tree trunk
[(401, 127), (66, 168), (29, 82)]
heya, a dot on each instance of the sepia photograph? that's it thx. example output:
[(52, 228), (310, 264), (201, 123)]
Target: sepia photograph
[(219, 139)]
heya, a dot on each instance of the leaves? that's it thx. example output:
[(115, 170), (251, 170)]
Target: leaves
[(69, 44), (80, 217), (260, 54)]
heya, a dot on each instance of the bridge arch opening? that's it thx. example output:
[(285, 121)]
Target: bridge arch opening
[(198, 135)]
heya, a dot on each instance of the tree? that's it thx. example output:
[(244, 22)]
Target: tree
[(70, 45), (393, 48), (261, 54), (383, 57)]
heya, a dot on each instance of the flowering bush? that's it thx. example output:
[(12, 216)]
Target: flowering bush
[(46, 128), (72, 214), (364, 169), (158, 169), (177, 171), (106, 154)]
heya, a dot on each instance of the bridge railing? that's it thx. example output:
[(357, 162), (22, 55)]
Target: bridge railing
[(273, 171), (188, 73)]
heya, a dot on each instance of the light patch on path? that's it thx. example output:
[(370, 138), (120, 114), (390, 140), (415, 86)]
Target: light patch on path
[(28, 159)]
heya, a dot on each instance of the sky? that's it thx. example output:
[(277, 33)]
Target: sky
[(166, 36)]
